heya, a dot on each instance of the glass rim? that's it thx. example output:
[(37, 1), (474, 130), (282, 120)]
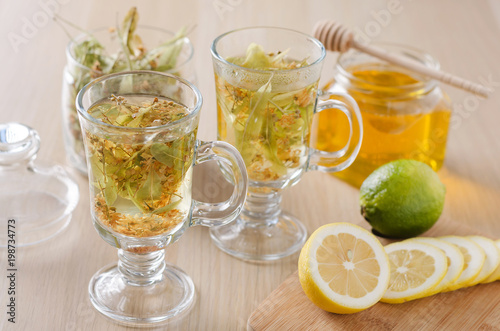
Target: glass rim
[(195, 109), (82, 35), (217, 56), (422, 56)]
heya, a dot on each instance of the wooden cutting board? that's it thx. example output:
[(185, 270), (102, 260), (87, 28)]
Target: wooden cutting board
[(474, 308)]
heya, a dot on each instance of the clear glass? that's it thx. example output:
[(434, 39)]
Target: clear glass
[(36, 200), (76, 75), (405, 116), (128, 197), (267, 115)]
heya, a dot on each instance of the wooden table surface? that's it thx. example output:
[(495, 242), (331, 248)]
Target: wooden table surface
[(53, 276)]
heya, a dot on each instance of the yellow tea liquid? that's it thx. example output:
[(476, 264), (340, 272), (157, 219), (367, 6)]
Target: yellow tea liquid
[(397, 124)]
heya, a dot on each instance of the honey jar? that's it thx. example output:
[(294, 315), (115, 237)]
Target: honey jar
[(405, 115)]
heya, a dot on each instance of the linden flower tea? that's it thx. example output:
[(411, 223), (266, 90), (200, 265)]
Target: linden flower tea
[(269, 124), (141, 186), (139, 130), (266, 86)]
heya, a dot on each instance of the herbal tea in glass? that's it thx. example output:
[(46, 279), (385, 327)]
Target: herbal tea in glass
[(139, 131), (266, 86), (140, 188), (268, 124)]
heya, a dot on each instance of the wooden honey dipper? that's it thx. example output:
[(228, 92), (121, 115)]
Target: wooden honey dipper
[(338, 38)]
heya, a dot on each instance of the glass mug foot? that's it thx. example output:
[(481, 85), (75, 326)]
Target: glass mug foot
[(262, 232), (262, 242), (166, 299)]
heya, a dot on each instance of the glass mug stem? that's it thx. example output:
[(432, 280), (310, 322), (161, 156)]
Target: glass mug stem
[(141, 269), (262, 209)]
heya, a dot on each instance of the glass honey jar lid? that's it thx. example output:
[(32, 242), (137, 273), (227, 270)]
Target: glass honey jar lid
[(36, 201)]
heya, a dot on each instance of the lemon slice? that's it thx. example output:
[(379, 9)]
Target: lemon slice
[(416, 268), (474, 257), (343, 268), (496, 274), (491, 261), (454, 259)]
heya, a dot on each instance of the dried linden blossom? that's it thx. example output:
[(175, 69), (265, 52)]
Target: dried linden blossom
[(96, 60), (132, 54), (257, 58), (137, 225), (153, 113), (145, 176)]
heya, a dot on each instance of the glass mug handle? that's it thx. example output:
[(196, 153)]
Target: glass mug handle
[(348, 107), (228, 157)]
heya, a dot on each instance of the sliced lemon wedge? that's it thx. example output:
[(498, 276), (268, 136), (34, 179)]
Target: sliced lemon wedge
[(416, 269), (491, 261), (454, 259), (474, 257), (343, 268), (496, 274)]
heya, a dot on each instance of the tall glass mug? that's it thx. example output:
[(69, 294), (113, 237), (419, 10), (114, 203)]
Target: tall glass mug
[(267, 93), (139, 130)]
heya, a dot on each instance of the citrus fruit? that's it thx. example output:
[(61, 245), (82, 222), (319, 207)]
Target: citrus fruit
[(416, 268), (496, 274), (492, 258), (474, 257), (343, 268), (402, 199), (454, 260)]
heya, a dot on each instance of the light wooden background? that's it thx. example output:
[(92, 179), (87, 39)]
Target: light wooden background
[(53, 277)]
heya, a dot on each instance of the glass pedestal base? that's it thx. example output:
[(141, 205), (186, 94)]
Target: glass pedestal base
[(168, 297), (261, 242)]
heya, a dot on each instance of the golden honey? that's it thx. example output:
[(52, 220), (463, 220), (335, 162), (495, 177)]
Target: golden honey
[(404, 117)]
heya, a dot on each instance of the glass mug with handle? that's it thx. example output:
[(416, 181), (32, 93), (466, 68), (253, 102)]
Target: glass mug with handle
[(139, 130), (267, 93)]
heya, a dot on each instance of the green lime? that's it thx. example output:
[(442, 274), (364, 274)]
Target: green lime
[(402, 199)]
